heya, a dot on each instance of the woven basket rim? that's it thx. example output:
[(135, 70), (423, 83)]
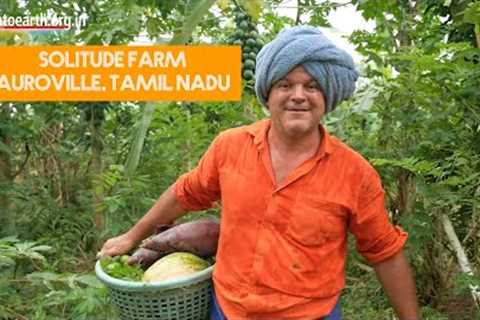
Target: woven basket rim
[(125, 285)]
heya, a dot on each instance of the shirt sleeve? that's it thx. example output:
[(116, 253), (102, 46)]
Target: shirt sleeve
[(376, 238), (199, 188)]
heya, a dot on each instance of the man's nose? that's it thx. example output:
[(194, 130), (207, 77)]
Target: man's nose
[(298, 94)]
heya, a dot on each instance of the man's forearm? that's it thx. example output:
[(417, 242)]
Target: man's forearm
[(397, 280), (164, 211)]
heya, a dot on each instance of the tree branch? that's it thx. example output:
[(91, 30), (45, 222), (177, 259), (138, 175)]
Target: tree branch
[(336, 5), (22, 166), (461, 256), (299, 12)]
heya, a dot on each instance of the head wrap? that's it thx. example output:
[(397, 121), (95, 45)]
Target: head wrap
[(331, 67)]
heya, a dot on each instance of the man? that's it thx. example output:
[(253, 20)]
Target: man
[(289, 193)]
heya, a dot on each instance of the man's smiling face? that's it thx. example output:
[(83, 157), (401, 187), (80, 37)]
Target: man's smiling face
[(296, 104)]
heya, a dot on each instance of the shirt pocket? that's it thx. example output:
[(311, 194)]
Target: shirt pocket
[(315, 222)]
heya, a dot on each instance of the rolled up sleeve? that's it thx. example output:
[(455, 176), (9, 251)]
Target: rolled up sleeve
[(199, 188), (377, 239)]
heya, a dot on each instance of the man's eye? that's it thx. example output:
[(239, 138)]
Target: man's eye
[(283, 85), (313, 87)]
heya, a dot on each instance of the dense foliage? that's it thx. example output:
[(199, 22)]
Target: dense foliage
[(74, 174)]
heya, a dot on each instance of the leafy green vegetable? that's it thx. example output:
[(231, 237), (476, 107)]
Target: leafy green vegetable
[(117, 267)]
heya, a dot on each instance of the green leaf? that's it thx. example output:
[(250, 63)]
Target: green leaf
[(42, 248), (6, 261), (9, 239), (46, 276), (4, 148), (23, 247), (137, 144), (117, 268), (198, 11), (253, 7), (90, 280), (152, 26), (472, 13), (223, 4), (36, 256), (411, 164)]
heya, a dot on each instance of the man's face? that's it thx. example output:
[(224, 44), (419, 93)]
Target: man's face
[(296, 104)]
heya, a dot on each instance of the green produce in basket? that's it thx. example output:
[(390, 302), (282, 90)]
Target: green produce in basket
[(117, 267), (174, 265)]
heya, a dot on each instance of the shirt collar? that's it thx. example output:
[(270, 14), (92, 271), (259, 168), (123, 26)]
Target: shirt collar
[(259, 129)]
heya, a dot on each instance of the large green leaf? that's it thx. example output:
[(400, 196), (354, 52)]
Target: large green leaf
[(196, 14), (139, 139)]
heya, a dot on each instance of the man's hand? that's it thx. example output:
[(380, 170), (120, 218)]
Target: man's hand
[(164, 211), (117, 246)]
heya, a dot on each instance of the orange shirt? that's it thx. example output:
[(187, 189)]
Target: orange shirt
[(282, 249)]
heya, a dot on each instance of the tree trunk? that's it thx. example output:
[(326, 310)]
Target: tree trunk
[(435, 255), (406, 192), (403, 35), (52, 164), (96, 131), (461, 256), (299, 13), (7, 219)]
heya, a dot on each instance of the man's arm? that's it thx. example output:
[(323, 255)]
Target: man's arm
[(396, 277), (164, 211), (200, 186)]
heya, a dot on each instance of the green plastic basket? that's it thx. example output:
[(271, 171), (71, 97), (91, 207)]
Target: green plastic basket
[(185, 298)]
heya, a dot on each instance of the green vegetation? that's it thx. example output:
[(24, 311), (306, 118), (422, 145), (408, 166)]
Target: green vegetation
[(117, 267), (74, 174)]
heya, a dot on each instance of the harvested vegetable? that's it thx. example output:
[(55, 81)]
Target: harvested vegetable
[(118, 267), (199, 237), (174, 265), (144, 257)]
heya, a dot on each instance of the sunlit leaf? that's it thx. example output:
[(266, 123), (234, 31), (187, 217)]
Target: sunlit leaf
[(41, 248), (253, 7), (223, 4)]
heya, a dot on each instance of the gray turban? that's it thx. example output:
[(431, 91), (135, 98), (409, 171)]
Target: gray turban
[(331, 67)]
